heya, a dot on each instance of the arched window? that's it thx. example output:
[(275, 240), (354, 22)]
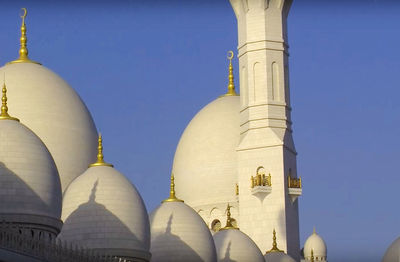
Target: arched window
[(216, 225)]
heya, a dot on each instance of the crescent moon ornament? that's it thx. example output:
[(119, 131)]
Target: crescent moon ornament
[(25, 13), (230, 55)]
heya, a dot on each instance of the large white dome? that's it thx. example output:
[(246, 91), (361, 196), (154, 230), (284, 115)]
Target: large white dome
[(103, 211), (205, 159), (53, 110), (234, 245), (29, 182), (178, 234), (392, 254), (317, 245)]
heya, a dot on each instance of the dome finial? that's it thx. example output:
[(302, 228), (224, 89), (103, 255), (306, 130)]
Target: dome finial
[(229, 224), (172, 197), (231, 84), (100, 157), (313, 231), (23, 50), (274, 244), (4, 108)]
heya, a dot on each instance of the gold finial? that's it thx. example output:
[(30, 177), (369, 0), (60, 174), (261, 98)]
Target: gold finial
[(274, 244), (23, 51), (231, 85), (4, 108), (100, 157), (172, 197), (229, 224)]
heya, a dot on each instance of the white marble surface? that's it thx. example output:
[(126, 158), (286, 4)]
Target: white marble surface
[(103, 210), (54, 111), (234, 245), (178, 234), (29, 181)]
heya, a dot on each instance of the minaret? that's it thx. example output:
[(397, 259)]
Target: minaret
[(266, 134)]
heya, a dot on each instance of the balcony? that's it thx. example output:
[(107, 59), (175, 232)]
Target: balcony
[(294, 188), (261, 184)]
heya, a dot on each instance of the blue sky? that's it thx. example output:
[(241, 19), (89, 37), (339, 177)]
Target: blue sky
[(144, 68)]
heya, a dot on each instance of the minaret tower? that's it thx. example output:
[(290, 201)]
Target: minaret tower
[(266, 136)]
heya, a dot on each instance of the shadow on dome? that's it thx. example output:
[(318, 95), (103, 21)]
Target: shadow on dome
[(93, 226), (17, 197), (227, 254), (166, 246)]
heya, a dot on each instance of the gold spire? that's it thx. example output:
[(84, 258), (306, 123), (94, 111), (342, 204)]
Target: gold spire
[(4, 108), (228, 219), (274, 244), (100, 157), (172, 197), (23, 51), (231, 85)]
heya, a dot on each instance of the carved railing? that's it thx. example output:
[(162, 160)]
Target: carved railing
[(19, 240), (260, 179), (294, 182)]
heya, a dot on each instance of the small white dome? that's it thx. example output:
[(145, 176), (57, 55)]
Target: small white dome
[(317, 244), (30, 188), (54, 111), (234, 245), (278, 257), (178, 234), (205, 163), (103, 211), (392, 254)]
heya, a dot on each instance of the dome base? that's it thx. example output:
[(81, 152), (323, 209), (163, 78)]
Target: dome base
[(42, 226), (127, 255)]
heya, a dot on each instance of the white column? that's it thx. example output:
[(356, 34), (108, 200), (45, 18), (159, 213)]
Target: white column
[(266, 135)]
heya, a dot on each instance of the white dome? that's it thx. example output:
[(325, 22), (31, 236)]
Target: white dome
[(234, 245), (317, 244), (278, 257), (30, 188), (392, 254), (178, 234), (103, 211), (205, 159), (53, 110)]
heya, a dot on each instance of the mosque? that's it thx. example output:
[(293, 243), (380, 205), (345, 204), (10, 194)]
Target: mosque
[(234, 187)]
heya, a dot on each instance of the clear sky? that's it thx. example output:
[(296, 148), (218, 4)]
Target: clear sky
[(145, 67)]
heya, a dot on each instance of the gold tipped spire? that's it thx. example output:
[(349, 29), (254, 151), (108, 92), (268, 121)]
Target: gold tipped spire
[(4, 108), (229, 224), (274, 244), (231, 84), (172, 197), (23, 50), (100, 157)]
